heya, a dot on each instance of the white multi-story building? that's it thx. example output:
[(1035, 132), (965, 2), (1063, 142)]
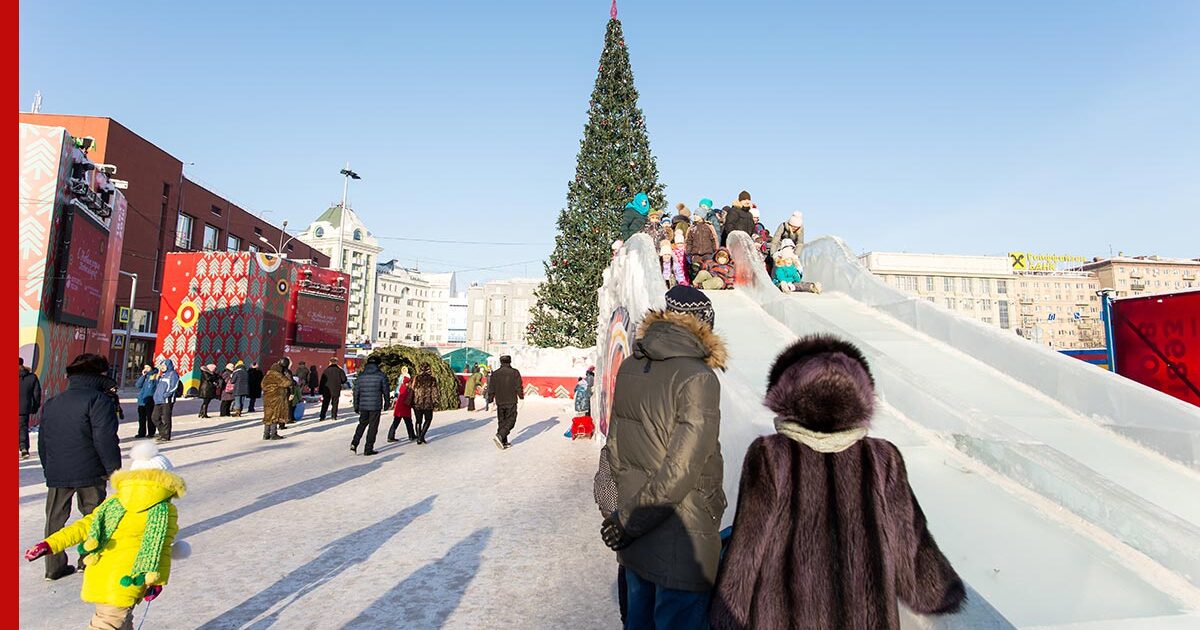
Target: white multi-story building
[(340, 234), (498, 313), (457, 333), (441, 288), (1055, 308)]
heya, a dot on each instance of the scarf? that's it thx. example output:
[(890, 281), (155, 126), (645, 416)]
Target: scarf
[(820, 442), (104, 522)]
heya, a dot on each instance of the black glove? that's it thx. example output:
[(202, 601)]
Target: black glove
[(615, 536)]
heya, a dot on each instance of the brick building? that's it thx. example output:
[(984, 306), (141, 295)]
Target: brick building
[(166, 213)]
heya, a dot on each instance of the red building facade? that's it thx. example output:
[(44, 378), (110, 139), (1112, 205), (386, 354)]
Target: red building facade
[(225, 307), (166, 213)]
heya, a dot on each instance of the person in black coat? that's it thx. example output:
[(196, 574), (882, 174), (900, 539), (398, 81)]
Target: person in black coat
[(254, 377), (506, 388), (210, 387), (371, 396), (78, 447), (332, 380), (738, 218), (241, 388), (314, 379), (30, 394)]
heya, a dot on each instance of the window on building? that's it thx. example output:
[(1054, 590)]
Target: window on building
[(183, 231), (907, 283), (948, 285), (258, 231), (929, 284), (215, 210), (950, 304), (212, 238), (291, 247), (253, 249), (1003, 313), (357, 236), (985, 286), (966, 286), (319, 232), (985, 305), (1002, 287), (233, 243)]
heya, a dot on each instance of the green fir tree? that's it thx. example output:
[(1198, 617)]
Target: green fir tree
[(613, 165)]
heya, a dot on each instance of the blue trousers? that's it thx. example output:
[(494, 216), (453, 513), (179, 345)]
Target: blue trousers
[(653, 607)]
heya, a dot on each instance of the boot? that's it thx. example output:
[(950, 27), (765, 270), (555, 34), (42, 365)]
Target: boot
[(267, 431), (275, 432)]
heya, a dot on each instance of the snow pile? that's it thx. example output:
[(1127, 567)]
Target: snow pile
[(533, 361)]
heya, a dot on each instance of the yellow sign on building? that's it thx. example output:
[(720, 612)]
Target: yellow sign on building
[(1024, 261)]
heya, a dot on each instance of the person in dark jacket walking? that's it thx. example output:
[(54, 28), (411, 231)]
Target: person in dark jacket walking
[(30, 394), (665, 457), (424, 400), (371, 397), (78, 447), (164, 399), (872, 547), (633, 217), (254, 379), (226, 389), (241, 388), (146, 383), (332, 380), (738, 218), (506, 388), (314, 379), (210, 386)]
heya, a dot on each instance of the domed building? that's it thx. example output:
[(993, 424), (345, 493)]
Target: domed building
[(340, 234)]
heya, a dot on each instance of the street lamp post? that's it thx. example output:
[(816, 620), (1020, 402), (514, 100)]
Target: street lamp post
[(282, 243), (347, 175)]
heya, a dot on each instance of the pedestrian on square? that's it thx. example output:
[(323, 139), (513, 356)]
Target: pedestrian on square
[(254, 378), (127, 541), (210, 385), (424, 400), (277, 388), (403, 409), (506, 388), (664, 455), (78, 447), (313, 379), (872, 548), (371, 390), (471, 388), (302, 371), (332, 381), (30, 393), (146, 383), (164, 399), (227, 390), (241, 388)]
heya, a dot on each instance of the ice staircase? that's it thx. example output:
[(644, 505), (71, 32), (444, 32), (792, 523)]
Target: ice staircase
[(1066, 496)]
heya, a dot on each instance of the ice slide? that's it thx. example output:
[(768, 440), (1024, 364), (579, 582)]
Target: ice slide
[(1065, 496)]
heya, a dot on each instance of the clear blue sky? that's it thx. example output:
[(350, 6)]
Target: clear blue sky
[(929, 126)]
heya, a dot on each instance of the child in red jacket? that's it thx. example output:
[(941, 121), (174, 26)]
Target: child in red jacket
[(402, 410)]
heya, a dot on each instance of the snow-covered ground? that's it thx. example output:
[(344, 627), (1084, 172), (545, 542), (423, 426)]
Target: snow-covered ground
[(302, 533)]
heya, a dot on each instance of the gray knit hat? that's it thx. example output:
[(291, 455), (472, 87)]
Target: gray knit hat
[(681, 299)]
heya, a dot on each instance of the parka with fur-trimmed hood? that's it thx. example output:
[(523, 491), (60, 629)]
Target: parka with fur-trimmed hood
[(665, 454), (828, 533)]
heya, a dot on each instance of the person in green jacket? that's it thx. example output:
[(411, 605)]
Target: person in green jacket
[(633, 219), (471, 388), (665, 458)]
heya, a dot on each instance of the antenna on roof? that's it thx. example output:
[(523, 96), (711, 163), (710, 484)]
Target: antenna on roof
[(37, 102)]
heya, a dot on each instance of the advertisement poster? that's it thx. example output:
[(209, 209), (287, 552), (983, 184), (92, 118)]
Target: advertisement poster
[(320, 320), (81, 281)]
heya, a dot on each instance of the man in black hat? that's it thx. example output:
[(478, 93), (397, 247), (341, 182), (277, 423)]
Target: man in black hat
[(505, 387), (665, 458)]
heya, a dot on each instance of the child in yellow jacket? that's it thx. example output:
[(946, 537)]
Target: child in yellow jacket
[(126, 542)]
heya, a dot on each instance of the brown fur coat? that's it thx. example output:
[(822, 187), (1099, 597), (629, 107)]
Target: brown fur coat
[(827, 539)]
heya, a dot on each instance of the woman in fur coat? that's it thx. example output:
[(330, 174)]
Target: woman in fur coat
[(828, 533)]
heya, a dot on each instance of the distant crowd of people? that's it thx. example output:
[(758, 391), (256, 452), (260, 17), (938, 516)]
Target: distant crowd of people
[(693, 245)]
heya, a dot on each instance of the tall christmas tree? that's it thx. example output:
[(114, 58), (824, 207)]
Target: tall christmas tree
[(613, 165)]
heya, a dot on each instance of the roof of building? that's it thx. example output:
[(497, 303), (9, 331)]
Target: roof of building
[(332, 216)]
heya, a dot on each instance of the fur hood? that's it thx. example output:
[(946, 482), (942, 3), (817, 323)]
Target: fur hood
[(823, 384), (711, 346)]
